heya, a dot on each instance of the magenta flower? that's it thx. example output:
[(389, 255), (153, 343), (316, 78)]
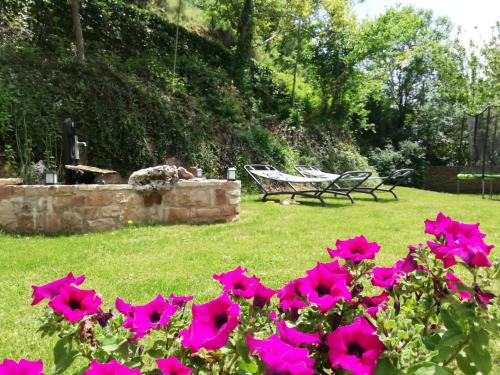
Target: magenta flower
[(385, 277), (172, 366), (482, 296), (74, 303), (23, 367), (110, 368), (472, 252), (142, 319), (355, 249), (375, 303), (453, 283), (280, 357), (262, 295), (179, 301), (237, 282), (355, 347), (212, 322), (125, 308), (50, 290), (289, 296), (447, 228), (293, 336), (457, 239), (323, 287)]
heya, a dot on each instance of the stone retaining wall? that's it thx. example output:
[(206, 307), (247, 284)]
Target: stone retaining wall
[(88, 208)]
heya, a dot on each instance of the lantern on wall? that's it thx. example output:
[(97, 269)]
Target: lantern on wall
[(51, 176), (231, 173), (199, 172)]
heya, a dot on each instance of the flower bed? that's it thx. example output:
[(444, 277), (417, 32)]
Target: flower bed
[(344, 316)]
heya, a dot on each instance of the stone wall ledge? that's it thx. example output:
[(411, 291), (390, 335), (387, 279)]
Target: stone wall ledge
[(44, 209)]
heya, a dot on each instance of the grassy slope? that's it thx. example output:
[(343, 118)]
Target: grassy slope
[(276, 242)]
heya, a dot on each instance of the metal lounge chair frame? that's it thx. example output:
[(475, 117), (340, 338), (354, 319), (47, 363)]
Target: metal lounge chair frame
[(260, 172), (398, 177)]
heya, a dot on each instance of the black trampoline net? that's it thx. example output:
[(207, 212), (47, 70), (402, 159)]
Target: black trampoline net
[(479, 151)]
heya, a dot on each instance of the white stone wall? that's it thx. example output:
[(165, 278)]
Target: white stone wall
[(87, 208)]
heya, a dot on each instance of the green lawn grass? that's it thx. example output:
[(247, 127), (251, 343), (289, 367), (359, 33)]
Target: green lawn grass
[(275, 242)]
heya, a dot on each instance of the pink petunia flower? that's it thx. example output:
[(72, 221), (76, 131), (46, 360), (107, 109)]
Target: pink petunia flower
[(293, 336), (50, 290), (355, 347), (289, 296), (23, 367), (385, 277), (472, 252), (74, 303), (142, 319), (483, 296), (172, 366), (262, 295), (444, 227), (110, 368), (456, 239), (453, 282), (375, 303), (280, 357), (355, 249), (179, 301), (212, 322), (323, 287), (237, 282)]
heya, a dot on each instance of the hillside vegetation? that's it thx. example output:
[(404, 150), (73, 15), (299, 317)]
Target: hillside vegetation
[(264, 81)]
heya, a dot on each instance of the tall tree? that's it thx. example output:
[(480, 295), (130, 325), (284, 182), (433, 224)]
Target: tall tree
[(77, 28), (245, 38)]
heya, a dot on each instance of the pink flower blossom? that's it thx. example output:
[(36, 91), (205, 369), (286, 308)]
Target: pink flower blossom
[(110, 368), (453, 283), (172, 366), (324, 287), (289, 296), (355, 249), (447, 228), (179, 301), (472, 252), (280, 357), (456, 239), (483, 296), (355, 347), (212, 322), (375, 303), (74, 303), (385, 277), (237, 282), (23, 367), (142, 319), (50, 290), (262, 295), (293, 336)]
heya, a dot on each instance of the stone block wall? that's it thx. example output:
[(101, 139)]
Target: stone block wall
[(444, 179), (87, 208)]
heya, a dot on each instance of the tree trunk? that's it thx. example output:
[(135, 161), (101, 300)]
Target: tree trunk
[(77, 27), (245, 38), (177, 34), (297, 59)]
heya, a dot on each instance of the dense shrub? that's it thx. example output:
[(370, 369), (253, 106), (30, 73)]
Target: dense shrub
[(410, 155), (345, 315)]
